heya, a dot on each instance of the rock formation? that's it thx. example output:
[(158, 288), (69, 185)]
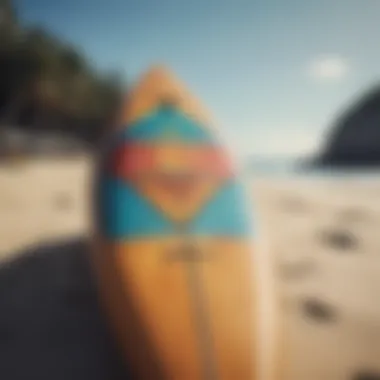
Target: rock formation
[(354, 141)]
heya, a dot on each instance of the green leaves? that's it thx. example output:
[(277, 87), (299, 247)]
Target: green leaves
[(46, 75)]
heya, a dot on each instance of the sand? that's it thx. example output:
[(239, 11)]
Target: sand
[(51, 326), (324, 243), (44, 206), (42, 200)]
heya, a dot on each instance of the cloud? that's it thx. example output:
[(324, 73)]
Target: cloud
[(328, 68)]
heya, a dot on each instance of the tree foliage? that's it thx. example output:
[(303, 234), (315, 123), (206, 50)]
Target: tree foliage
[(48, 84)]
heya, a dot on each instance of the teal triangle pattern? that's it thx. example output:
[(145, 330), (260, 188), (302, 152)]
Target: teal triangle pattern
[(224, 215), (153, 128), (124, 213)]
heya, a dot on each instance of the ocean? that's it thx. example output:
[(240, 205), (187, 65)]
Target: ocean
[(295, 167)]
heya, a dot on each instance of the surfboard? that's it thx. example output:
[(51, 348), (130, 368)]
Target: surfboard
[(173, 257)]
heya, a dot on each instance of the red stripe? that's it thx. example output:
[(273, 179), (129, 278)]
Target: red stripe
[(131, 159), (211, 161)]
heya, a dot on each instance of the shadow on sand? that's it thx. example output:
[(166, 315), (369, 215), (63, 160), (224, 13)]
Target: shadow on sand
[(50, 324)]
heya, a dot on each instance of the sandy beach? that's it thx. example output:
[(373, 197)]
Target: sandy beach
[(324, 245), (41, 201), (51, 326), (317, 240)]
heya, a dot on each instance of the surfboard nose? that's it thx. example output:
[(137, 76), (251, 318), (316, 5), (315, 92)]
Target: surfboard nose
[(160, 86)]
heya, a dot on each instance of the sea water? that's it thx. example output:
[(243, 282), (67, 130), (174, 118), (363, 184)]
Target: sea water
[(298, 168)]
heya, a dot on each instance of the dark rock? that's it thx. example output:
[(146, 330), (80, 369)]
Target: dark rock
[(355, 138), (342, 241), (366, 376), (318, 310)]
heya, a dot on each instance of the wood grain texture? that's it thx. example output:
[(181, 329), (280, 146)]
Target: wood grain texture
[(229, 283)]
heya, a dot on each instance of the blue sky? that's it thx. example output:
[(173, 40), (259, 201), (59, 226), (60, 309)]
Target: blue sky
[(274, 72)]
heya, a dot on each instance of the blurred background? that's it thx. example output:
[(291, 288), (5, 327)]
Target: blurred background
[(295, 89)]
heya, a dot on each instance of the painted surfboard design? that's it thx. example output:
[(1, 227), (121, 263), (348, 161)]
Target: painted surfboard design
[(173, 257)]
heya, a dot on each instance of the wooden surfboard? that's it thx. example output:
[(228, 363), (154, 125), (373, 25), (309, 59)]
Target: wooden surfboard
[(172, 255)]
